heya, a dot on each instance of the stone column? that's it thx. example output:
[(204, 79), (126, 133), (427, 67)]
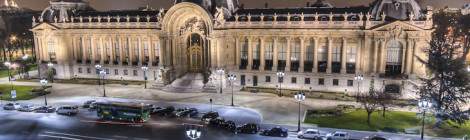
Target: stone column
[(161, 45), (358, 56), (344, 49), (288, 61), (383, 57), (403, 58), (315, 55), (302, 54), (151, 50), (262, 59), (250, 53), (237, 52), (103, 50), (330, 45), (121, 50), (409, 55), (376, 53), (111, 50), (141, 51), (93, 42), (275, 48), (84, 49)]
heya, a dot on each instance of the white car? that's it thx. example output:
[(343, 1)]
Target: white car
[(67, 110), (11, 106), (338, 135), (309, 134)]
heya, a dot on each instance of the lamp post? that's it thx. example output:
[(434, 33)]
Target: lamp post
[(299, 97), (221, 73), (280, 75), (232, 78), (145, 69), (44, 84), (49, 71), (193, 133), (8, 64), (359, 79), (98, 69), (423, 105), (103, 76)]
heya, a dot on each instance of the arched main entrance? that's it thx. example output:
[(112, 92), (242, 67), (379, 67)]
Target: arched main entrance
[(195, 49), (394, 58)]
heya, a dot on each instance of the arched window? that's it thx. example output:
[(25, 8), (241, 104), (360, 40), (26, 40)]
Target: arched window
[(322, 57), (256, 54), (308, 64), (394, 58), (244, 53), (268, 54), (295, 54), (282, 54)]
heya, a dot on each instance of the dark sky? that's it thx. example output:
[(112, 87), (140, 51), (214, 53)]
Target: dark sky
[(132, 4)]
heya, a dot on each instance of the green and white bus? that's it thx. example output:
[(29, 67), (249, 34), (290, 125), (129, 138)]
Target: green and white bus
[(123, 111)]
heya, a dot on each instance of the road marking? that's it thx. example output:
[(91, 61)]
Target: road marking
[(60, 137), (74, 135)]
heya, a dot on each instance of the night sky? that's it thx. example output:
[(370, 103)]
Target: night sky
[(133, 4)]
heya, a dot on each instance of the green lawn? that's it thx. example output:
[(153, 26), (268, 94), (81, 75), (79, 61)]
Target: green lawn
[(4, 73), (22, 92), (357, 120)]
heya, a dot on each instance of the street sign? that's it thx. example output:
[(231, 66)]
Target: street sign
[(13, 94)]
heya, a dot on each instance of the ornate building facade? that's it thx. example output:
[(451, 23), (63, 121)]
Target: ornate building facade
[(319, 48)]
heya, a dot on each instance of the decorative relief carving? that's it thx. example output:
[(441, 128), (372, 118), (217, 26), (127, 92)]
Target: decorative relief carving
[(193, 25), (396, 31), (219, 16)]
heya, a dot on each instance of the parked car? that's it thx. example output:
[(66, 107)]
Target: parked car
[(26, 108), (275, 132), (338, 135), (154, 108), (209, 115), (67, 110), (168, 111), (230, 126), (45, 109), (187, 112), (249, 128), (217, 122), (11, 106), (375, 137), (88, 103), (309, 134)]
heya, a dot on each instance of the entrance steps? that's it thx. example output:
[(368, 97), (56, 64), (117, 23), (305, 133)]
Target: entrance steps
[(191, 82)]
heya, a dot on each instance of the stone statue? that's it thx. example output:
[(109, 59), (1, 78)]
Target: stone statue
[(219, 16)]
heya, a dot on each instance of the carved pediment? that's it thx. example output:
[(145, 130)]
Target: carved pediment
[(397, 24), (44, 26), (193, 25)]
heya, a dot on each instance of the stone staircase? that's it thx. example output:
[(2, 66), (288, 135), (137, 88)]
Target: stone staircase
[(191, 82)]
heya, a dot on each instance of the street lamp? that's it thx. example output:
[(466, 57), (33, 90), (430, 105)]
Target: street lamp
[(50, 74), (424, 105), (193, 133), (25, 58), (221, 72), (359, 79), (299, 97), (8, 64), (145, 69), (280, 75), (103, 75), (98, 69), (44, 84), (232, 78)]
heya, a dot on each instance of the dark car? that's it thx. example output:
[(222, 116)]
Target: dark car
[(230, 126), (45, 109), (88, 103), (275, 132), (209, 115), (375, 137), (217, 122), (249, 128), (168, 111), (11, 106), (154, 108), (187, 112)]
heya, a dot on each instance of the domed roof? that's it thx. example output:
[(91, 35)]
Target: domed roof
[(397, 9), (63, 9)]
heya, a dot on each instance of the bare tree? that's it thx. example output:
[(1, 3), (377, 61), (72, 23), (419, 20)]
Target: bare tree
[(369, 100), (385, 100)]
